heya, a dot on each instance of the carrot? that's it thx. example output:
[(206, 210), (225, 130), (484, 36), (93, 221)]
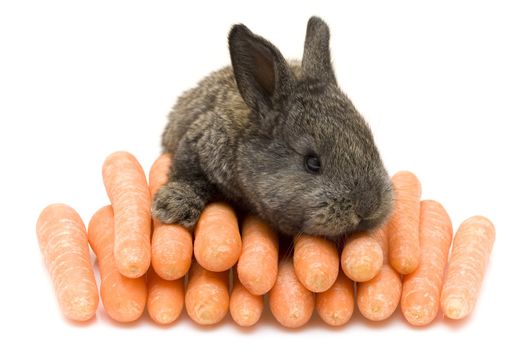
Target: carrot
[(422, 288), (257, 265), (316, 262), (403, 226), (362, 257), (171, 244), (165, 298), (245, 308), (158, 173), (380, 235), (377, 299), (217, 245), (128, 192), (171, 250), (468, 261), (62, 239), (336, 305), (123, 298), (290, 302), (207, 298)]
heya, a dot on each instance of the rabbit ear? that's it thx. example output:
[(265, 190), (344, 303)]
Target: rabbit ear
[(316, 56), (261, 72)]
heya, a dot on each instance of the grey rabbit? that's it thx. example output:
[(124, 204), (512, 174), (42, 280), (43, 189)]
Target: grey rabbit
[(278, 139)]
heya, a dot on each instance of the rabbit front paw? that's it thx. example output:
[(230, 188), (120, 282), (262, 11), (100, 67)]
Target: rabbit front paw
[(177, 202)]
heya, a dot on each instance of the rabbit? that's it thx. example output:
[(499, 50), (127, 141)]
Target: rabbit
[(277, 139)]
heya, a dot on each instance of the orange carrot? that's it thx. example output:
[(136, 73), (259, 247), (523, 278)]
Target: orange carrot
[(207, 300), (377, 299), (128, 192), (217, 245), (380, 235), (336, 305), (171, 245), (290, 302), (123, 298), (468, 261), (171, 250), (422, 288), (257, 266), (245, 308), (158, 173), (63, 242), (403, 226), (362, 257), (316, 262), (165, 298)]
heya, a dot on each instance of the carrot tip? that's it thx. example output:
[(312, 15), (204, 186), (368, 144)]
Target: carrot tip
[(376, 309), (169, 274), (362, 272), (405, 265), (417, 316), (296, 314), (165, 316), (222, 252), (318, 282), (131, 262), (337, 317), (131, 270), (81, 308), (246, 318), (206, 314), (455, 308)]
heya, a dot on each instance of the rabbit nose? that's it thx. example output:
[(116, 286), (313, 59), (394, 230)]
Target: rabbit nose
[(355, 219), (363, 208)]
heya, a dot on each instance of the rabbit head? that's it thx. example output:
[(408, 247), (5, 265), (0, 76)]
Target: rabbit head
[(310, 165)]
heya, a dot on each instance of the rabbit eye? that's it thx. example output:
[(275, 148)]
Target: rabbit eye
[(312, 163)]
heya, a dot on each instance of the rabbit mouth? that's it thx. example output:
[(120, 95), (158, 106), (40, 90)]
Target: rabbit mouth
[(323, 225), (332, 228)]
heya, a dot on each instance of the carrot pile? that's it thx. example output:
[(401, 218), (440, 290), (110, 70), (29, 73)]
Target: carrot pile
[(228, 264)]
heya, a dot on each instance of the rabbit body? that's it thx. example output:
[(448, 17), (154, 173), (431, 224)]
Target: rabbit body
[(275, 138)]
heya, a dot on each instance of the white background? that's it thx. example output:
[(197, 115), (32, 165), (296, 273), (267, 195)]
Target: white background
[(441, 85)]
